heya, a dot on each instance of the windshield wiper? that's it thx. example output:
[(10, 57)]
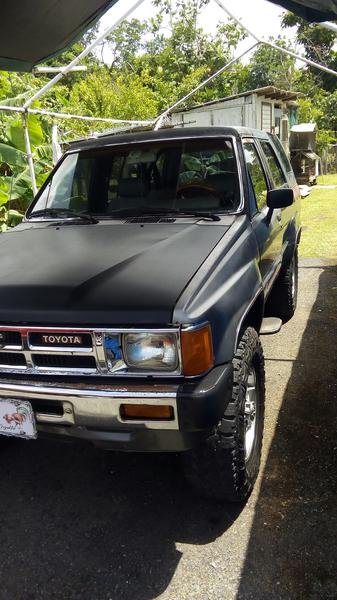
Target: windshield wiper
[(58, 212), (151, 210), (203, 215)]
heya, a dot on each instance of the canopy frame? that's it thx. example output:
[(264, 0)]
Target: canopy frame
[(26, 109)]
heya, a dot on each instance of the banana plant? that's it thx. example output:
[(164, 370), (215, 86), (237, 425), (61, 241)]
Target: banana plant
[(15, 183)]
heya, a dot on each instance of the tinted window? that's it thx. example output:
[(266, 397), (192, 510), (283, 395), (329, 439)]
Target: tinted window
[(193, 175), (284, 160), (256, 174), (274, 166)]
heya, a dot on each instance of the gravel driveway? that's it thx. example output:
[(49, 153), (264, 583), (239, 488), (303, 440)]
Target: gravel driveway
[(80, 524)]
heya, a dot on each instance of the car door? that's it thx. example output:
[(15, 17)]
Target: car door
[(266, 223), (276, 175), (290, 214)]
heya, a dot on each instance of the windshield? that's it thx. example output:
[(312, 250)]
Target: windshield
[(193, 176)]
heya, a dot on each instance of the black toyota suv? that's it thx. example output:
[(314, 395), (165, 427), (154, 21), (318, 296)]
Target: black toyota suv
[(133, 294)]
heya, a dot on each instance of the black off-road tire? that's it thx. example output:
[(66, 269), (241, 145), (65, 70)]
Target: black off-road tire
[(219, 468), (283, 297)]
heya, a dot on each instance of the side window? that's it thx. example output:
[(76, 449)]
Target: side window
[(281, 155), (256, 175), (278, 176), (62, 189)]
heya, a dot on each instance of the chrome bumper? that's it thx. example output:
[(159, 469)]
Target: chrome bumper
[(89, 406)]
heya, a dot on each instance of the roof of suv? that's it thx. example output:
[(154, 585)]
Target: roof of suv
[(177, 133)]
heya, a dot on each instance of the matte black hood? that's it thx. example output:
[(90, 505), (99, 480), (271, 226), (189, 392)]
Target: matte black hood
[(106, 274)]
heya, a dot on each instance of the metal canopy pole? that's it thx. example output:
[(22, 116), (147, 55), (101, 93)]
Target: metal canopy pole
[(57, 78), (26, 112), (329, 25), (262, 41), (29, 152), (49, 113), (160, 119), (84, 53)]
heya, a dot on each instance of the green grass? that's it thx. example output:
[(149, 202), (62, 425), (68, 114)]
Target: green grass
[(319, 220)]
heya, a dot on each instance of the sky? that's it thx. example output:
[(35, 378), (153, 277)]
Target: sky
[(262, 17)]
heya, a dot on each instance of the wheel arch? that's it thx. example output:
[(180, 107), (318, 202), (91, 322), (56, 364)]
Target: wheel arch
[(252, 317)]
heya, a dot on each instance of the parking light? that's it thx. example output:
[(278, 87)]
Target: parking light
[(149, 412), (197, 350)]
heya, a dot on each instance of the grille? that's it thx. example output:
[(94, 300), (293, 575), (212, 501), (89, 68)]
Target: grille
[(59, 350), (12, 359), (64, 362), (10, 338)]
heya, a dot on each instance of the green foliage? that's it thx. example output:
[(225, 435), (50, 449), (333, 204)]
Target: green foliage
[(172, 53), (15, 181), (318, 44), (308, 110), (323, 139), (123, 97), (269, 66), (328, 118)]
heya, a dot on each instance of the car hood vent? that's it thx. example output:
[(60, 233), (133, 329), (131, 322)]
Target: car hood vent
[(150, 219)]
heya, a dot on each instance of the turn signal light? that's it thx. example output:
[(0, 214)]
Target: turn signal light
[(149, 412), (196, 350)]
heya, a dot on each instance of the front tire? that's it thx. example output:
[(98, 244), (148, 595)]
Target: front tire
[(226, 465)]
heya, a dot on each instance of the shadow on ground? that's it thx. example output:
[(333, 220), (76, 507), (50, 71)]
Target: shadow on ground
[(292, 552), (80, 524)]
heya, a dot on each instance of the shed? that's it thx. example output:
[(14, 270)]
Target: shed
[(304, 160), (268, 108)]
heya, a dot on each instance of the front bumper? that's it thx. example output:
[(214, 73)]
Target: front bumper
[(92, 411)]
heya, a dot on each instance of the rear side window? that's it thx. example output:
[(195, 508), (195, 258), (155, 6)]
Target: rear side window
[(257, 178), (277, 174), (281, 155)]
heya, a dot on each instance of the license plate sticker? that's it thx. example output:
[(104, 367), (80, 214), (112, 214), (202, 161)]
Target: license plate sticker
[(17, 419)]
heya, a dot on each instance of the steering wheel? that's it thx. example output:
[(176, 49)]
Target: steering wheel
[(195, 185)]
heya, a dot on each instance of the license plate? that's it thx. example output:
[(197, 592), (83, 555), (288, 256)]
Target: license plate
[(17, 419)]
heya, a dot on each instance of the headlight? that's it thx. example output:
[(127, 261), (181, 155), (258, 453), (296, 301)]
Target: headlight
[(151, 351)]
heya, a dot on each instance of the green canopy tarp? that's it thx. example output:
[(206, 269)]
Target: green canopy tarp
[(31, 31), (311, 10)]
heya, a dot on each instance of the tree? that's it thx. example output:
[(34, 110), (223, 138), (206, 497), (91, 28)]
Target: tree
[(173, 54), (318, 45), (269, 66), (111, 96)]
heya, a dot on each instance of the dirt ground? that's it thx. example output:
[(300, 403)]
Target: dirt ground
[(79, 524)]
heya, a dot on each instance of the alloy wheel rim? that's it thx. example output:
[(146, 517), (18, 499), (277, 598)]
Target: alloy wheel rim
[(250, 414)]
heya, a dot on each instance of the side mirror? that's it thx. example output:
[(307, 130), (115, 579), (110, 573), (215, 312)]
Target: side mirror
[(280, 198)]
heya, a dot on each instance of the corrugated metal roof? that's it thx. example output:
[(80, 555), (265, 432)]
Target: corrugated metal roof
[(311, 155), (271, 92), (304, 127)]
